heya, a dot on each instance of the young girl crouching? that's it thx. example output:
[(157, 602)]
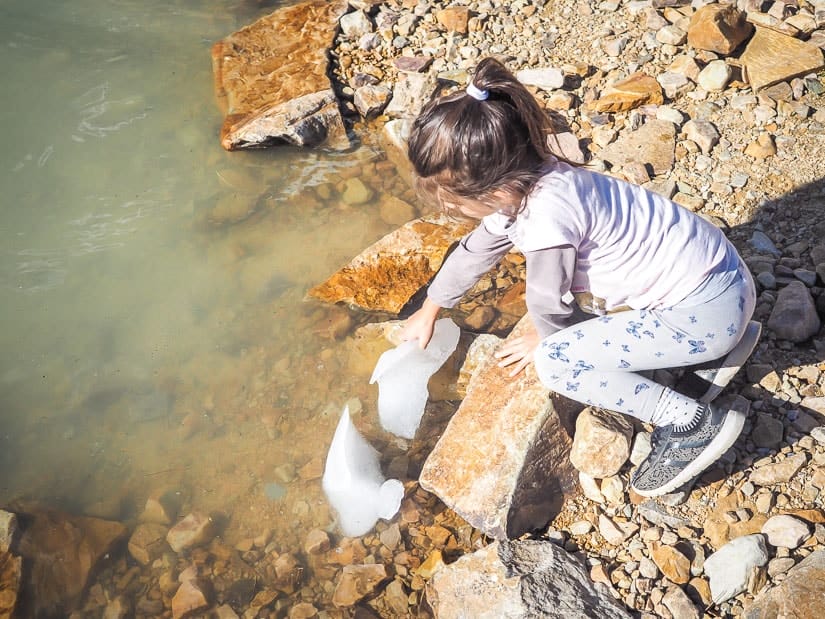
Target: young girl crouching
[(667, 286)]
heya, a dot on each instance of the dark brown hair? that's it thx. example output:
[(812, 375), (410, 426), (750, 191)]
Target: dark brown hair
[(461, 147)]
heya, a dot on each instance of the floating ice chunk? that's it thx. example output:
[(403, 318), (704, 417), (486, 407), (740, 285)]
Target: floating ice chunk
[(354, 484), (402, 374)]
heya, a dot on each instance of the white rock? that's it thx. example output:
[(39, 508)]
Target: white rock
[(590, 487), (703, 132), (670, 114), (402, 374), (729, 568), (353, 482), (641, 448), (786, 531), (355, 25), (715, 76), (544, 78)]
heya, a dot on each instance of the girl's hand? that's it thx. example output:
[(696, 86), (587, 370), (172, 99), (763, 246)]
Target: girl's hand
[(420, 325), (518, 351)]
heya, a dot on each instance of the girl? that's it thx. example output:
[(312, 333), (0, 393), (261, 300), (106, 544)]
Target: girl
[(669, 289)]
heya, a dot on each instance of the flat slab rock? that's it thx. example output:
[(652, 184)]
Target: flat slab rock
[(503, 462), (772, 57), (386, 275), (519, 579), (271, 79)]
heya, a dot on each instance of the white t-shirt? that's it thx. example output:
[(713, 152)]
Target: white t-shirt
[(633, 247)]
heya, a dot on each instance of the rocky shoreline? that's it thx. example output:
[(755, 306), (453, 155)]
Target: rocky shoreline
[(747, 540)]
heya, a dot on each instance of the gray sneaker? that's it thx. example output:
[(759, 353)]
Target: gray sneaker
[(680, 453), (720, 372)]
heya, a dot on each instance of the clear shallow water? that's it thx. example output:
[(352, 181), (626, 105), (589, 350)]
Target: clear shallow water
[(154, 328)]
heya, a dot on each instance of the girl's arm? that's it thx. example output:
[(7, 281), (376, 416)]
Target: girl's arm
[(475, 254), (549, 276)]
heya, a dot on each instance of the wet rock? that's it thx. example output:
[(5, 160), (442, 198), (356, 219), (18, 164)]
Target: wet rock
[(386, 275), (395, 211), (759, 58), (61, 551), (316, 542), (161, 507), (653, 144), (800, 595), (718, 28), (514, 479), (118, 608), (730, 568), (394, 135), (794, 316), (196, 529), (272, 82), (519, 579), (786, 531), (601, 444), (480, 318), (8, 529), (11, 577), (358, 582), (638, 89), (189, 598), (356, 192), (147, 542)]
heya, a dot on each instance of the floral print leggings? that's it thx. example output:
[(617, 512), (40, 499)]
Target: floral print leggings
[(596, 361)]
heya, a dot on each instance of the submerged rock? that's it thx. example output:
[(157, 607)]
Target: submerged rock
[(272, 82)]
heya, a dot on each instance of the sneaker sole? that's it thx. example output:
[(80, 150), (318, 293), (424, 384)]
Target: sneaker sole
[(734, 361), (730, 431)]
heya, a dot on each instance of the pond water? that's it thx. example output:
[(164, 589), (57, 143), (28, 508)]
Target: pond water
[(155, 331)]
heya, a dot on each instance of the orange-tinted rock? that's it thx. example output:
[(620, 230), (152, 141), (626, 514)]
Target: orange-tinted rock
[(147, 542), (60, 551), (271, 79), (638, 89), (386, 275), (503, 461), (357, 582), (799, 596), (454, 18), (718, 28), (11, 570), (761, 58)]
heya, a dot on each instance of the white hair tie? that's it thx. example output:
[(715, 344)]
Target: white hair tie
[(477, 93)]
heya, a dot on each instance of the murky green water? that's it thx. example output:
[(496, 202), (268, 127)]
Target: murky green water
[(154, 328)]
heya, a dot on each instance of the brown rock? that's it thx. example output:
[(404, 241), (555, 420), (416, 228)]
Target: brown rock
[(601, 444), (503, 461), (162, 507), (799, 596), (271, 79), (525, 578), (357, 582), (393, 139), (316, 542), (194, 530), (637, 90), (761, 59), (674, 564), (8, 529), (718, 28), (189, 598), (454, 18), (386, 275), (480, 318), (147, 542), (719, 531), (762, 148), (11, 574), (652, 144), (61, 551)]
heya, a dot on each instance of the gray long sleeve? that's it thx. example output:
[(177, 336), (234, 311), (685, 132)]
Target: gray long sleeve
[(475, 254), (549, 276)]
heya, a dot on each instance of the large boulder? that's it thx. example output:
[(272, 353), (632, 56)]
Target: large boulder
[(272, 83), (718, 28), (11, 570), (386, 275), (503, 462), (61, 552), (760, 58), (529, 578)]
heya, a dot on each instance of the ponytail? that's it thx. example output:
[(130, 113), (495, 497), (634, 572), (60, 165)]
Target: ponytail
[(471, 144)]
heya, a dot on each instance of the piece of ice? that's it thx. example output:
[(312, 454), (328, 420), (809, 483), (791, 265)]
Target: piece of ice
[(402, 374), (353, 482)]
